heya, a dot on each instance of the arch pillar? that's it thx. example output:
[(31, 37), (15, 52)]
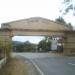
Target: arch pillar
[(69, 43), (5, 41)]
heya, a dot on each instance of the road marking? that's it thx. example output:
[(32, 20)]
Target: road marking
[(71, 64), (41, 73)]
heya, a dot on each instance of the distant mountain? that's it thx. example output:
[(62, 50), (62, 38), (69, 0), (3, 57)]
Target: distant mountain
[(15, 43)]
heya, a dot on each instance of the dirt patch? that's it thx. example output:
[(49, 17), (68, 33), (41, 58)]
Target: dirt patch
[(15, 67)]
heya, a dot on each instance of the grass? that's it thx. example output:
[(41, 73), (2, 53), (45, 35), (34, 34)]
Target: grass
[(15, 67)]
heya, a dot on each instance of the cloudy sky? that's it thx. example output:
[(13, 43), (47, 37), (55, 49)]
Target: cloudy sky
[(11, 10), (19, 9)]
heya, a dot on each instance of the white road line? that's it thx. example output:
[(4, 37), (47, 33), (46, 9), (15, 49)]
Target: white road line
[(71, 64), (41, 73)]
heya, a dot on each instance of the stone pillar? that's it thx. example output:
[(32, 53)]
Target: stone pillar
[(5, 41), (69, 43)]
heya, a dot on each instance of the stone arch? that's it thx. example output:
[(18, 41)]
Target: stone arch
[(36, 26)]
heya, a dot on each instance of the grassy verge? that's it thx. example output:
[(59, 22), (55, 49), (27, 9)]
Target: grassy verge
[(15, 67)]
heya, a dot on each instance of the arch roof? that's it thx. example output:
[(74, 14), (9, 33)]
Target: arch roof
[(35, 23)]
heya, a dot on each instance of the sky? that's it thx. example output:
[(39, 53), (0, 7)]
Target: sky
[(11, 10), (31, 39), (19, 9)]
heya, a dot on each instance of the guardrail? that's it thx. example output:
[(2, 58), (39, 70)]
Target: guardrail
[(2, 62)]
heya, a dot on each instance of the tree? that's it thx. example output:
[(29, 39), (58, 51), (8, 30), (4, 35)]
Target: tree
[(63, 22), (44, 44), (67, 6), (60, 20), (26, 47), (29, 47), (19, 48), (69, 25)]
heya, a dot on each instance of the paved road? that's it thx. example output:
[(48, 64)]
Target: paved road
[(50, 64)]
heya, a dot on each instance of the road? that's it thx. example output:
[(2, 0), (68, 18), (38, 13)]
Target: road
[(49, 64)]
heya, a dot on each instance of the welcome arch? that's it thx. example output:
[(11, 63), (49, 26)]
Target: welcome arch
[(41, 27)]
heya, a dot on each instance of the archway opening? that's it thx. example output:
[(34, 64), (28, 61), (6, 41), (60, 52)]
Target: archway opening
[(37, 44)]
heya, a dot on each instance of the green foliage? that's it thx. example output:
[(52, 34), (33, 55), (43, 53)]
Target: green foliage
[(69, 5), (69, 26), (63, 22), (44, 44), (20, 48), (29, 47), (26, 47)]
